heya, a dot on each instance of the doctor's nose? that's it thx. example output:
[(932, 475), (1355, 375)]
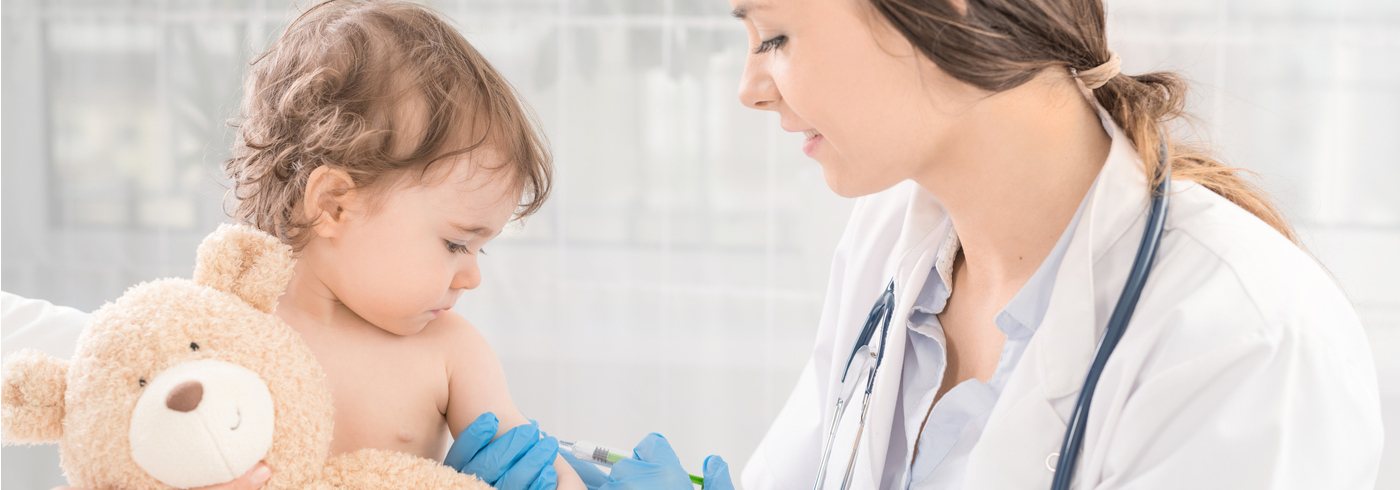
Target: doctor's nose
[(756, 88)]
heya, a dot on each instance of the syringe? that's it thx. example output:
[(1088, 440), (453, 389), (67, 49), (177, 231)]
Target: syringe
[(603, 456)]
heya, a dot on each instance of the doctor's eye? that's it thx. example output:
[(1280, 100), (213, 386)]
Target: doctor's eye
[(771, 44), (141, 382), (194, 347)]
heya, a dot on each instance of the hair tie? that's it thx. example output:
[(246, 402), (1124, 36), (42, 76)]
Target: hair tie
[(1097, 76)]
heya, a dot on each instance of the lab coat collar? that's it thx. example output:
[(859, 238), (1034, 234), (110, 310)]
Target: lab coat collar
[(914, 255), (1071, 328)]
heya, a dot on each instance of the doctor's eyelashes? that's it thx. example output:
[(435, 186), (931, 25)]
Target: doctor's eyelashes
[(771, 44)]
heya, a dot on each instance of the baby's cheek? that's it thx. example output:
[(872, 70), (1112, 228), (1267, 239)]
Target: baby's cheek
[(393, 286), (427, 279), (416, 290)]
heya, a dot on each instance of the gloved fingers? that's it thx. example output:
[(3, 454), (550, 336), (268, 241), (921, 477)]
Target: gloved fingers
[(717, 474), (631, 468), (530, 466), (655, 449), (471, 440), (498, 456), (548, 479), (631, 474), (588, 472)]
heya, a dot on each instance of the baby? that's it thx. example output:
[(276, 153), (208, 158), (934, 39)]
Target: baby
[(386, 151)]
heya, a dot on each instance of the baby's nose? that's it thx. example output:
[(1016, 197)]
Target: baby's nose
[(185, 396)]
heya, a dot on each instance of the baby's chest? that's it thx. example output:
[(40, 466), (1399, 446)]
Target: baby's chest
[(387, 400)]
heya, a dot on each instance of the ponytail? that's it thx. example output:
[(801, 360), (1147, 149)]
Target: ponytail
[(1140, 104)]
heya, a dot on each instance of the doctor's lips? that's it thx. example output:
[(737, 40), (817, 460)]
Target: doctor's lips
[(814, 138)]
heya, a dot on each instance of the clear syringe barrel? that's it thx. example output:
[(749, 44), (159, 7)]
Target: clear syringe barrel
[(591, 452)]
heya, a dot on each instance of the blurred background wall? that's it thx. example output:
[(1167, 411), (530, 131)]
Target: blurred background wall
[(674, 282)]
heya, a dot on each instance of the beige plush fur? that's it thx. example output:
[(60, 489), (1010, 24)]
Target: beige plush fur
[(85, 405)]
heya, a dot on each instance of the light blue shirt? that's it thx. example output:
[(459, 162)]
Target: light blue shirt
[(956, 422)]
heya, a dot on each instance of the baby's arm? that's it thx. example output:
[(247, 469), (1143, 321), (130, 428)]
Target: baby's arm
[(477, 384)]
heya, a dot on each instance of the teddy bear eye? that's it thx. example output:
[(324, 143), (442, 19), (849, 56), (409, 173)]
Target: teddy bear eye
[(141, 382), (194, 346)]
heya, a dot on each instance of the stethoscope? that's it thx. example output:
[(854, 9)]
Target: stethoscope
[(1117, 324)]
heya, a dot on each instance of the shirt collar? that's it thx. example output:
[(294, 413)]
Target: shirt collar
[(934, 295), (1022, 315)]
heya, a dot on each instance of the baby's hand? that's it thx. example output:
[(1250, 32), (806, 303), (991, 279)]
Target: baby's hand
[(252, 480)]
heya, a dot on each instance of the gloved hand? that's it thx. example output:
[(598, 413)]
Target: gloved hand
[(656, 467), (588, 472), (521, 459)]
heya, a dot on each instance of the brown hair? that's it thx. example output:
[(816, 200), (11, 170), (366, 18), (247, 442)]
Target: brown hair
[(325, 93), (997, 45)]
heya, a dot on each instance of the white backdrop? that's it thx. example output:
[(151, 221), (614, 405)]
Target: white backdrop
[(673, 283)]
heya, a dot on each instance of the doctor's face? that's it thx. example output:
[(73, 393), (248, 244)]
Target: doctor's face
[(875, 111)]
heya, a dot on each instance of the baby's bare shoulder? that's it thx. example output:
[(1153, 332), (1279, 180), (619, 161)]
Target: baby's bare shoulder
[(453, 335), (476, 380)]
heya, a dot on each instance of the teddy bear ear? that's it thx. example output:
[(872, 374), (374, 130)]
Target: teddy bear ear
[(33, 397), (246, 262)]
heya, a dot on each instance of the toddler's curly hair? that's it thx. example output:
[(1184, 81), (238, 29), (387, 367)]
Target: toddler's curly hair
[(379, 89)]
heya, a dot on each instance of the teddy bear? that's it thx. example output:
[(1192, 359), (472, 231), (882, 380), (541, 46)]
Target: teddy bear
[(185, 383)]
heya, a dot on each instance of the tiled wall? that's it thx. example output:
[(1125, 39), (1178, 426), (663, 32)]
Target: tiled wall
[(674, 281)]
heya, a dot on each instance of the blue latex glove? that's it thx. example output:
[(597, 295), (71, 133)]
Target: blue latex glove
[(521, 459), (588, 472), (656, 467)]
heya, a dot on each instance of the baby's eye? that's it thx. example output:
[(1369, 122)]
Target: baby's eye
[(194, 347), (141, 382), (455, 247)]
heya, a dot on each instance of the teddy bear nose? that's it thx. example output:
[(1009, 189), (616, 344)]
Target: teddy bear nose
[(185, 396)]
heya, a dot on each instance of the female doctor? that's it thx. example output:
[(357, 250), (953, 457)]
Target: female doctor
[(1005, 169)]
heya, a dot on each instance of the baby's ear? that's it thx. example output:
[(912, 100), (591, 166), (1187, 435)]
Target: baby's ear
[(33, 397), (250, 264)]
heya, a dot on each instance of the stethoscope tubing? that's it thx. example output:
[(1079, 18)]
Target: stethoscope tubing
[(1117, 325)]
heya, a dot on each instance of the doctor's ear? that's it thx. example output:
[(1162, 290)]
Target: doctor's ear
[(330, 193)]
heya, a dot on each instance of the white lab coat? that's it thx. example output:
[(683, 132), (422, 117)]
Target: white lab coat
[(37, 324), (1244, 366)]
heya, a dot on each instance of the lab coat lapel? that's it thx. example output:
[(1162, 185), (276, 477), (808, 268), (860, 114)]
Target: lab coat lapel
[(1076, 316), (909, 266), (1020, 444), (874, 257)]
